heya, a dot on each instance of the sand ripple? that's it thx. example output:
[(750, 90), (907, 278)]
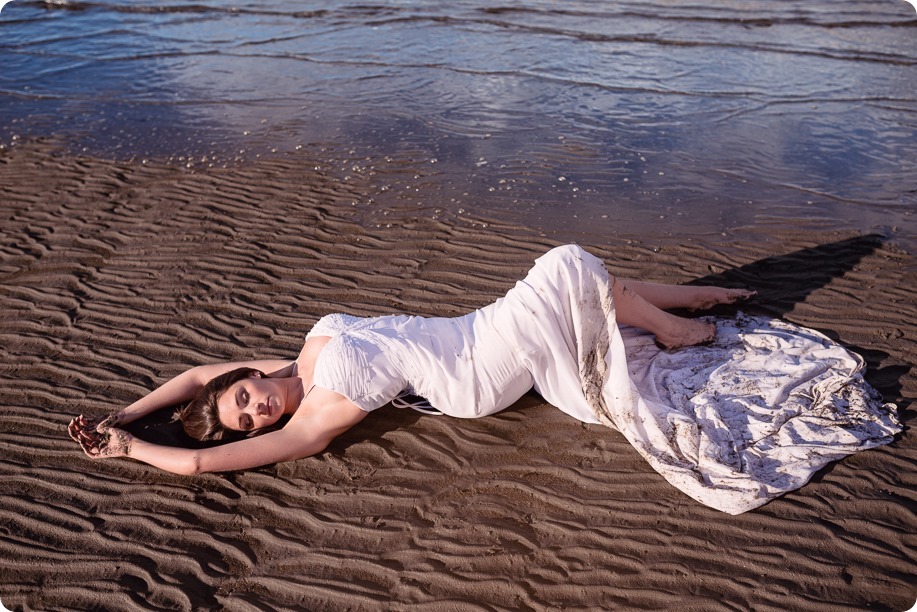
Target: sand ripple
[(118, 276)]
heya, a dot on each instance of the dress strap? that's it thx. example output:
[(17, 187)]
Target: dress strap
[(406, 399)]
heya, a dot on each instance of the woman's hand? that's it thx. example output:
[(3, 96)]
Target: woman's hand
[(98, 439), (84, 428), (99, 424)]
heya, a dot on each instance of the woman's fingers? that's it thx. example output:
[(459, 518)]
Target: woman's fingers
[(99, 438), (72, 429), (111, 444), (76, 429), (93, 448), (110, 421), (88, 448), (90, 437), (83, 431), (81, 426)]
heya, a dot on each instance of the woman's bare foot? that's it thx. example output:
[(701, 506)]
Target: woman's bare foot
[(671, 331), (708, 297), (686, 332)]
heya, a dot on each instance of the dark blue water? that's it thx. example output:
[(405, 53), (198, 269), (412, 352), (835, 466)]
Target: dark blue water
[(617, 117)]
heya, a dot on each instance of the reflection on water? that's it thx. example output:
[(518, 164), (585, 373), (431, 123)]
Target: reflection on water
[(617, 117)]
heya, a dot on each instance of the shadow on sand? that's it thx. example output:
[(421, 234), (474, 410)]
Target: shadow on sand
[(782, 281)]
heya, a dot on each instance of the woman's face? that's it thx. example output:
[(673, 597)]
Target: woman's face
[(252, 403)]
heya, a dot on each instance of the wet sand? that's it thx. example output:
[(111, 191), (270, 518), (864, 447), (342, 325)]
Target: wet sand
[(117, 276)]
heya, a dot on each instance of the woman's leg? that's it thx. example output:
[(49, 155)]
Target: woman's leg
[(671, 331), (685, 296)]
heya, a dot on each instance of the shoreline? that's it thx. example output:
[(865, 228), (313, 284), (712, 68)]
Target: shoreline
[(118, 276)]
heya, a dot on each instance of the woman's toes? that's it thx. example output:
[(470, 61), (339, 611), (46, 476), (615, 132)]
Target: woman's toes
[(715, 296), (741, 295)]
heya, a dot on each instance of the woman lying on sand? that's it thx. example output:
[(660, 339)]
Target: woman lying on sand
[(557, 331)]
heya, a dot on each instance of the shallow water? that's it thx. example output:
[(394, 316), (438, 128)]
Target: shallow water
[(621, 118)]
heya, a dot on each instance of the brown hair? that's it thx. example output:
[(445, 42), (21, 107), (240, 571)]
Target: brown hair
[(201, 417)]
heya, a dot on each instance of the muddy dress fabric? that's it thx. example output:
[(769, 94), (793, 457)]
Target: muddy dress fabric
[(732, 425)]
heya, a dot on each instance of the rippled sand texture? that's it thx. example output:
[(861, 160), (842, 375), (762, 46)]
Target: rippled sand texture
[(117, 276)]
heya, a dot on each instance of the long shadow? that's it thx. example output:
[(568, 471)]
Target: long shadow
[(782, 281)]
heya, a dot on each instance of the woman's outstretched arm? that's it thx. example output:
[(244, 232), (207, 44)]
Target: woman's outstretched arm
[(186, 385), (309, 432)]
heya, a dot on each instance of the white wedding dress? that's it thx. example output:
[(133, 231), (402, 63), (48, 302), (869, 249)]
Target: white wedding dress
[(732, 425)]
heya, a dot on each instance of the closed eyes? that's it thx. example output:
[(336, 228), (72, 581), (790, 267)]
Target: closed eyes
[(245, 421)]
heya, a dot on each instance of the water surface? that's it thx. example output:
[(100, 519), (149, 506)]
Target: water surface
[(619, 118)]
